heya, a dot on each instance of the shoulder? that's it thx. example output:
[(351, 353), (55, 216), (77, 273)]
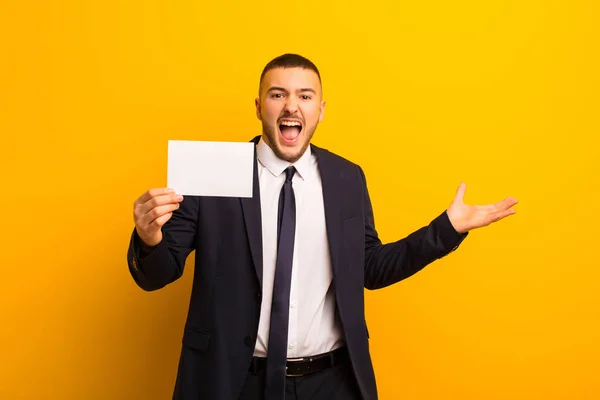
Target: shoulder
[(328, 159)]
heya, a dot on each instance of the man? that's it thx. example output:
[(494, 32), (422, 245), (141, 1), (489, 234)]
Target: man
[(277, 305)]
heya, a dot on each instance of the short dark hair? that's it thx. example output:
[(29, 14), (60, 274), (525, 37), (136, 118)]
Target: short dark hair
[(289, 60)]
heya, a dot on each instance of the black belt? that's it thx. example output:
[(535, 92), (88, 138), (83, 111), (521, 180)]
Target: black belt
[(304, 365)]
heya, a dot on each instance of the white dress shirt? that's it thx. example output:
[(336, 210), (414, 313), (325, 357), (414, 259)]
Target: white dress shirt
[(313, 325)]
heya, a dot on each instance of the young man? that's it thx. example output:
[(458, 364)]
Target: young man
[(277, 306)]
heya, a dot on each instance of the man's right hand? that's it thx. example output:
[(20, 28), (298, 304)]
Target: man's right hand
[(151, 211)]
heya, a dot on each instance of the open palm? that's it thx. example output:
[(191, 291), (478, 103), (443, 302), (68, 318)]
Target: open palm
[(466, 217)]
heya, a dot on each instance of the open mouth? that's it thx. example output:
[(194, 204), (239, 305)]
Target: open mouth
[(290, 130)]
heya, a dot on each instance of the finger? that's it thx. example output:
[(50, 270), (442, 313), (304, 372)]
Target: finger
[(460, 192), (153, 193), (156, 213), (160, 221), (499, 206), (140, 210), (500, 215), (160, 200), (506, 203)]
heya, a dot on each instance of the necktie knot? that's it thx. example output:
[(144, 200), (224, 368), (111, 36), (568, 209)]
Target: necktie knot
[(289, 173)]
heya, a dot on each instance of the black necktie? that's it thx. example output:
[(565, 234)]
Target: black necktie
[(278, 330)]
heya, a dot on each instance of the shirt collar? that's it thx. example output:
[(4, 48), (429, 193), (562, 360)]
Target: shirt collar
[(276, 165)]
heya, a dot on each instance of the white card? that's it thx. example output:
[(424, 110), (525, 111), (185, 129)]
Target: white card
[(211, 168)]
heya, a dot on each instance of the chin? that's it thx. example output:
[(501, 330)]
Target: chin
[(288, 155)]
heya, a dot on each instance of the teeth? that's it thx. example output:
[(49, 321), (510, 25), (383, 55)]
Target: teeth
[(290, 123)]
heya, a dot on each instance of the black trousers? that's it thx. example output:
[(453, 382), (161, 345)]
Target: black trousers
[(334, 383)]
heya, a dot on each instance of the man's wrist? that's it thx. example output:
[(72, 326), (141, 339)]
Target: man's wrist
[(144, 249)]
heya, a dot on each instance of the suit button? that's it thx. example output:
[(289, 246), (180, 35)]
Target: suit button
[(249, 340), (258, 296)]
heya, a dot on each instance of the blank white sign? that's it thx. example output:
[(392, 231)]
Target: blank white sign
[(197, 168)]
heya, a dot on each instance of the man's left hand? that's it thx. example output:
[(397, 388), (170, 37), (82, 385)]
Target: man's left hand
[(465, 217)]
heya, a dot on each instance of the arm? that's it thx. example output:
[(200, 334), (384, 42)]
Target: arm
[(153, 267), (386, 264)]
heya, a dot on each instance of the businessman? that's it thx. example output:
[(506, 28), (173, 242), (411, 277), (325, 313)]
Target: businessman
[(277, 305)]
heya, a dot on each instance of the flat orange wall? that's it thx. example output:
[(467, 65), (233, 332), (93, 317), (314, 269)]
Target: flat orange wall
[(500, 94)]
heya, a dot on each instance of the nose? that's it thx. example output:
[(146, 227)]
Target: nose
[(291, 105)]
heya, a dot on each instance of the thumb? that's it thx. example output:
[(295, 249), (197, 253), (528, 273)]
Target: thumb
[(460, 193)]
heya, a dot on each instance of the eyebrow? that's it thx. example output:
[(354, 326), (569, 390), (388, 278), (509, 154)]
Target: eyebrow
[(277, 88)]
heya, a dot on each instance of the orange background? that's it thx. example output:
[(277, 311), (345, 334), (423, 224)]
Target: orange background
[(502, 95)]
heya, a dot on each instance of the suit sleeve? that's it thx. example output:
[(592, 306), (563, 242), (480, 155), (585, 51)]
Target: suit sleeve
[(155, 268), (386, 264)]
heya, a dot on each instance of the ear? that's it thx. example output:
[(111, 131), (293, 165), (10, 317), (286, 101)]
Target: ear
[(257, 105), (322, 114)]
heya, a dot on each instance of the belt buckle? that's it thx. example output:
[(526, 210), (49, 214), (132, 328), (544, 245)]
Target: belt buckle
[(294, 360)]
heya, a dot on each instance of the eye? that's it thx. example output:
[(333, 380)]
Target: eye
[(277, 95), (305, 97)]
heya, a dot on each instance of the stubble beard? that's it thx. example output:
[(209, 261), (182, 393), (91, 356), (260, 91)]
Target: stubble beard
[(270, 132)]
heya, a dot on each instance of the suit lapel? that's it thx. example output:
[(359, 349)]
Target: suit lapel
[(252, 218), (330, 179)]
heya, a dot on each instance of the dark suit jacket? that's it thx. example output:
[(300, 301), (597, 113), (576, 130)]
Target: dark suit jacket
[(222, 322)]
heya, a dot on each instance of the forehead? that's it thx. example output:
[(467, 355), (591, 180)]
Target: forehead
[(291, 79)]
